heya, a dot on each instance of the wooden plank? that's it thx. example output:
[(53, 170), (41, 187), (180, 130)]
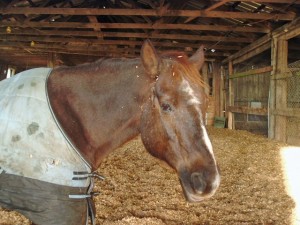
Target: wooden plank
[(84, 46), (252, 72), (144, 12), (51, 60), (170, 37), (291, 33), (248, 110), (34, 51), (157, 26), (212, 7), (287, 112), (216, 5), (256, 44), (85, 40), (253, 53), (222, 93), (217, 88), (272, 97), (274, 1), (287, 31), (230, 97), (281, 90)]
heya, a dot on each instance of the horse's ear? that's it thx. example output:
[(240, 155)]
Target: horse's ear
[(198, 58), (150, 59)]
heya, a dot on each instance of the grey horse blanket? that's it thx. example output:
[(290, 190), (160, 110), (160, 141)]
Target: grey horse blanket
[(39, 166)]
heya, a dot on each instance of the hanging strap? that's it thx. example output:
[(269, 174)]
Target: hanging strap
[(91, 210)]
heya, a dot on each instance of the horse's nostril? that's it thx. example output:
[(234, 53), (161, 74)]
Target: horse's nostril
[(198, 182)]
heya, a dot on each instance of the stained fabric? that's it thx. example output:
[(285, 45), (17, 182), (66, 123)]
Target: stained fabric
[(42, 175), (31, 143)]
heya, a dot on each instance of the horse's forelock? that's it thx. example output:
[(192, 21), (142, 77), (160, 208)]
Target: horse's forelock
[(189, 72)]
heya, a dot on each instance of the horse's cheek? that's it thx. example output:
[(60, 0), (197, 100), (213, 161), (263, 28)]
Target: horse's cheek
[(152, 132)]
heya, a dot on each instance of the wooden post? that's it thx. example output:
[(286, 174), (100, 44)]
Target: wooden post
[(231, 97), (204, 72), (281, 89), (272, 105), (216, 88), (222, 93), (51, 60)]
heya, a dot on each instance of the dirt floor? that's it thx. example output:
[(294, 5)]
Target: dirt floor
[(140, 190)]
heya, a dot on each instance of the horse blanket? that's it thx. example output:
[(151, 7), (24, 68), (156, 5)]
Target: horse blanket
[(40, 169)]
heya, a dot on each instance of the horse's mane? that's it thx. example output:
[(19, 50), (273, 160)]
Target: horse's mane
[(189, 72)]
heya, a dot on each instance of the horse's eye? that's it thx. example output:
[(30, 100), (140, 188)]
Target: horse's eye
[(166, 107)]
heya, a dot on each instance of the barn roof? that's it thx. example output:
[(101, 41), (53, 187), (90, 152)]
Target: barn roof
[(81, 30)]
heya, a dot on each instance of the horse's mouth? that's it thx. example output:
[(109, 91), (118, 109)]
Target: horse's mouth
[(196, 188)]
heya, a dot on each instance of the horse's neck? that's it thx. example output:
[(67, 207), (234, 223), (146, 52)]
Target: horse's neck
[(102, 104)]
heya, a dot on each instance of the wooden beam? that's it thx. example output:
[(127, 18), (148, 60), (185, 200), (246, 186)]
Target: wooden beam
[(146, 12), (88, 49), (230, 97), (248, 110), (274, 1), (290, 112), (216, 5), (287, 31), (170, 37), (107, 53), (159, 26), (72, 35), (253, 53), (262, 41), (120, 42), (252, 72), (281, 90)]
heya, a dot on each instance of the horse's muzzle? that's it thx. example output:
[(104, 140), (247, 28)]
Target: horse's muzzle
[(198, 183), (198, 186)]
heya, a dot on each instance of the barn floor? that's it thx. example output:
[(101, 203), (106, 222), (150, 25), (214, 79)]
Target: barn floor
[(140, 190)]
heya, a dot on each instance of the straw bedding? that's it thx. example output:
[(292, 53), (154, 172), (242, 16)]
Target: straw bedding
[(141, 190)]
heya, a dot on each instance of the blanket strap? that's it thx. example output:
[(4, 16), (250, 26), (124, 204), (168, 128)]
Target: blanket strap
[(90, 194)]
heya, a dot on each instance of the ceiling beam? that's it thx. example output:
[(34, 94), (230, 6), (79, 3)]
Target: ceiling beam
[(137, 26), (119, 52), (122, 42), (145, 12), (272, 1), (102, 47), (170, 37), (216, 5)]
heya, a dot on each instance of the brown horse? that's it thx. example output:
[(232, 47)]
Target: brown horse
[(102, 105)]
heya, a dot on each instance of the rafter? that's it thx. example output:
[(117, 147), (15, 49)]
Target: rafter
[(136, 26), (273, 1), (120, 42), (106, 44), (83, 50), (73, 34), (145, 12)]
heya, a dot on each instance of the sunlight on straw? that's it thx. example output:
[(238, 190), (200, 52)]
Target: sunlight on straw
[(291, 165)]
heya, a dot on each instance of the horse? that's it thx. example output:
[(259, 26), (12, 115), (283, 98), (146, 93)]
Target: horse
[(57, 125)]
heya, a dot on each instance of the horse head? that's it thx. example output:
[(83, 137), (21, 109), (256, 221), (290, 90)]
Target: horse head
[(173, 120)]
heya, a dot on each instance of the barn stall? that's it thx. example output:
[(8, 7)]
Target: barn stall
[(252, 69)]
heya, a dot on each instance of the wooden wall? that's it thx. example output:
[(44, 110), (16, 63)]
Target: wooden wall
[(212, 76), (3, 72), (283, 117), (263, 90)]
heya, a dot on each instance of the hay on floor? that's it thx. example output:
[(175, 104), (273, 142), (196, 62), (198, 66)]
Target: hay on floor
[(140, 190)]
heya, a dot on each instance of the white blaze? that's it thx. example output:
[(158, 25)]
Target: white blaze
[(186, 87)]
